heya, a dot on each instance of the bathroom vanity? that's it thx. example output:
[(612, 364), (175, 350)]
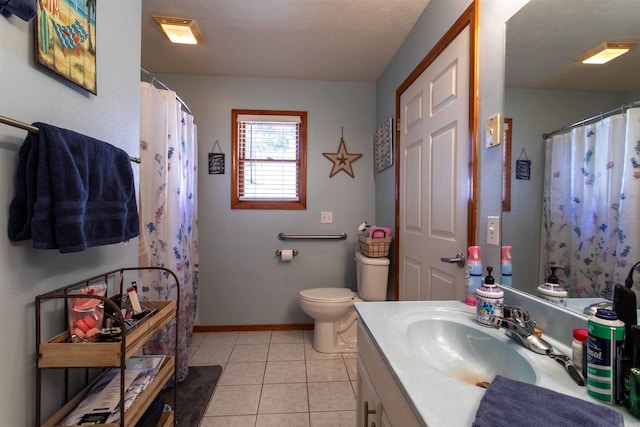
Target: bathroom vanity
[(420, 363), (377, 384)]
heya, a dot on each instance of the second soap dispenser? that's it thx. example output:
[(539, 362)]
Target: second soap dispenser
[(552, 290), (489, 300)]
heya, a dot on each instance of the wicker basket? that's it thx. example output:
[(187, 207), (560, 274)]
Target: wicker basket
[(374, 248)]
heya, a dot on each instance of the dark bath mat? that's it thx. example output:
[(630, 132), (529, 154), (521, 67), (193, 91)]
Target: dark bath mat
[(194, 394)]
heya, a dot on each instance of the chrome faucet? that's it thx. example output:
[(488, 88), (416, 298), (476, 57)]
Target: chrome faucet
[(520, 327)]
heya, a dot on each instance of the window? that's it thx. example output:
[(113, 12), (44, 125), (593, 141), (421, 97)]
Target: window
[(269, 159)]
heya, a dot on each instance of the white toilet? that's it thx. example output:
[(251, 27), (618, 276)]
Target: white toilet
[(332, 308)]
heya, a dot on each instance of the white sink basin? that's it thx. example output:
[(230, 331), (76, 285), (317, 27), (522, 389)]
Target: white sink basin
[(466, 351), (437, 354)]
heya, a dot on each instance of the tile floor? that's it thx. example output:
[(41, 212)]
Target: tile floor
[(276, 378)]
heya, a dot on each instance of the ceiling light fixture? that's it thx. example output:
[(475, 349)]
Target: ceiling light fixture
[(605, 52), (180, 30)]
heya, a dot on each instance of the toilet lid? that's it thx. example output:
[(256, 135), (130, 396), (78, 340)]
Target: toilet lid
[(328, 294)]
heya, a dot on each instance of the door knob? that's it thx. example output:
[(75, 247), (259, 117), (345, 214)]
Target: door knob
[(459, 259)]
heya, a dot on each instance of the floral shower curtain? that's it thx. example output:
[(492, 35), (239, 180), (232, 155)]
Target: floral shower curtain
[(168, 214), (592, 204)]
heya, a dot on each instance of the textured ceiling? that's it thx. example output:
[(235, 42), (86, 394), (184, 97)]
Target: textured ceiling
[(354, 40), (546, 36), (337, 40)]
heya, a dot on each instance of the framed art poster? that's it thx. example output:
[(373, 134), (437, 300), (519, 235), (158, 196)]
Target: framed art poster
[(66, 40)]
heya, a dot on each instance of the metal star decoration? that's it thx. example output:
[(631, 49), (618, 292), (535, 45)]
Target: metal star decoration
[(342, 160)]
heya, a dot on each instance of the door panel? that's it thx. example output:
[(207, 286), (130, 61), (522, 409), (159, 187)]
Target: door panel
[(441, 284), (443, 183), (444, 88), (434, 176), (412, 269), (413, 189)]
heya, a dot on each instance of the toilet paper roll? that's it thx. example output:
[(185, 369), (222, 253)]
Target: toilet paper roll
[(286, 254)]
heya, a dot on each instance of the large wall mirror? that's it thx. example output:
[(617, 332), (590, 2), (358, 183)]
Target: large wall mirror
[(548, 88)]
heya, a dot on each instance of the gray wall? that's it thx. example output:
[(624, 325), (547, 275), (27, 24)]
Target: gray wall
[(492, 17), (535, 112), (30, 93), (242, 282)]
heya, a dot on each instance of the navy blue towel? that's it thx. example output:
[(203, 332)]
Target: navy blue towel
[(23, 9), (508, 403), (72, 192)]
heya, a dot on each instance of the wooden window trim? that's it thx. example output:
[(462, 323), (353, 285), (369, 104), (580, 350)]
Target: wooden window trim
[(506, 166), (236, 202)]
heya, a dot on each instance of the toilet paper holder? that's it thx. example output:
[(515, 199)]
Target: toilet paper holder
[(279, 252)]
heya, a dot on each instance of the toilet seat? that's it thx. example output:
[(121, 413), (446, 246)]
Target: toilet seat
[(328, 294)]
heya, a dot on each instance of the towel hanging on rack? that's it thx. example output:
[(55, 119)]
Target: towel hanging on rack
[(72, 192)]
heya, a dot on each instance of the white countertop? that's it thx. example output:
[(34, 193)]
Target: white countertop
[(440, 399)]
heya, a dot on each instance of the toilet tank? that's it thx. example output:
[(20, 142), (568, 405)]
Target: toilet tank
[(372, 276)]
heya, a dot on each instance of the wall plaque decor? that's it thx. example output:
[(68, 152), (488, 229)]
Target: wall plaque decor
[(66, 40), (383, 146), (216, 160), (523, 166)]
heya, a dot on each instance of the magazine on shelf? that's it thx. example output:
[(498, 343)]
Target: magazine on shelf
[(101, 404)]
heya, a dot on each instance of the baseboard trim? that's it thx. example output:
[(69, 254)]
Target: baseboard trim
[(229, 328)]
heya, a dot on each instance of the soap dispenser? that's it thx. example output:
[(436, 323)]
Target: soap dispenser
[(489, 300), (552, 291)]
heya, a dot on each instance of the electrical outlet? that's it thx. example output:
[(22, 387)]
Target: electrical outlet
[(326, 217), (493, 230)]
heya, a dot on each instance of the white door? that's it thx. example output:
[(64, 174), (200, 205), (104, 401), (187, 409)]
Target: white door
[(435, 176)]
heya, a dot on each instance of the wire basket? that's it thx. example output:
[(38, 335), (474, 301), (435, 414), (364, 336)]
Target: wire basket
[(374, 248)]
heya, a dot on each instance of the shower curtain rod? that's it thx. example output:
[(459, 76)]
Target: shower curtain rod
[(34, 129), (600, 116), (154, 79)]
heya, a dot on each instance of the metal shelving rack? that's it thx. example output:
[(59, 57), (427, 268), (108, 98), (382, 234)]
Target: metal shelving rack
[(59, 352)]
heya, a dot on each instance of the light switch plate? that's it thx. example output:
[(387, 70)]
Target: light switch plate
[(493, 133), (493, 230)]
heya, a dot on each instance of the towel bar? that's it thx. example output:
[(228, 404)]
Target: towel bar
[(34, 129)]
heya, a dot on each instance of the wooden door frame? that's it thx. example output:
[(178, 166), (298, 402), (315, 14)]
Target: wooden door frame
[(468, 18)]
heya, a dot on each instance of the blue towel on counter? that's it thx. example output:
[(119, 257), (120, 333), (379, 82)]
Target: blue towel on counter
[(513, 403), (23, 9), (72, 192), (508, 403)]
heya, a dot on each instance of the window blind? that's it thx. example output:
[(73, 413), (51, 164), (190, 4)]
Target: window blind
[(268, 157)]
